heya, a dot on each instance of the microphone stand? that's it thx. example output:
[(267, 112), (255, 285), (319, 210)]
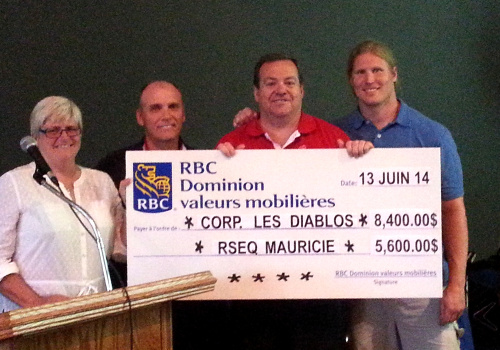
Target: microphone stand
[(100, 245)]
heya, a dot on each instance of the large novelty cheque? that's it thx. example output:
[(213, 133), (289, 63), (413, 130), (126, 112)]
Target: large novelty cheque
[(274, 224)]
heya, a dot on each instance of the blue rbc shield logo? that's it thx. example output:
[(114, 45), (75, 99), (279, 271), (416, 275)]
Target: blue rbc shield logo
[(152, 187)]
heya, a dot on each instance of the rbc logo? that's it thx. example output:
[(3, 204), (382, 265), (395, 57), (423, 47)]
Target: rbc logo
[(152, 187)]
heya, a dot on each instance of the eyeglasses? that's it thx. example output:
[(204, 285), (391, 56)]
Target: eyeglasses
[(55, 133)]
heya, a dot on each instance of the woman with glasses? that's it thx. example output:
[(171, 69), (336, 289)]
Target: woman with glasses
[(46, 253)]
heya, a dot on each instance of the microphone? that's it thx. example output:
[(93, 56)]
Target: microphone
[(28, 145)]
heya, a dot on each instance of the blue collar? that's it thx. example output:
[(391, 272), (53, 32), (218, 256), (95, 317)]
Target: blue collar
[(402, 119)]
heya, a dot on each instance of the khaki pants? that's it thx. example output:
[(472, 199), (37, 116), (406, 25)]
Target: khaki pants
[(401, 324)]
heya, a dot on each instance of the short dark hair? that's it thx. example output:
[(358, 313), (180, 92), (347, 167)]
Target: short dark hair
[(273, 57)]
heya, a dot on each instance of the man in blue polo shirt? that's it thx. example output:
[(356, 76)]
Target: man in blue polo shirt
[(388, 122)]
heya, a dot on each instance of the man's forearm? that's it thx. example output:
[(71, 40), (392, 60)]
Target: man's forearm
[(456, 240)]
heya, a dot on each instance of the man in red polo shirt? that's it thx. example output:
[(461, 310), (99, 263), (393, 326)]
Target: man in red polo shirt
[(281, 123)]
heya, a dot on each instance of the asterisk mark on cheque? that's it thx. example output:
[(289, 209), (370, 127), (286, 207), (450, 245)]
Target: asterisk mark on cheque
[(283, 277), (258, 278), (307, 276), (363, 220), (189, 222), (350, 246), (234, 278), (199, 247)]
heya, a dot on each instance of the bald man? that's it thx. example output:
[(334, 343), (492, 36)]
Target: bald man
[(161, 114)]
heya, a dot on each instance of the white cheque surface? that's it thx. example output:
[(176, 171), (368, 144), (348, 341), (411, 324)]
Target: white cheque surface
[(288, 224)]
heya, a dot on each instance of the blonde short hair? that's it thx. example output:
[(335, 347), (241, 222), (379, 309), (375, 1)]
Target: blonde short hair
[(374, 47)]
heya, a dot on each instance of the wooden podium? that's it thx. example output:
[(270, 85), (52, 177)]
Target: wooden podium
[(104, 321)]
